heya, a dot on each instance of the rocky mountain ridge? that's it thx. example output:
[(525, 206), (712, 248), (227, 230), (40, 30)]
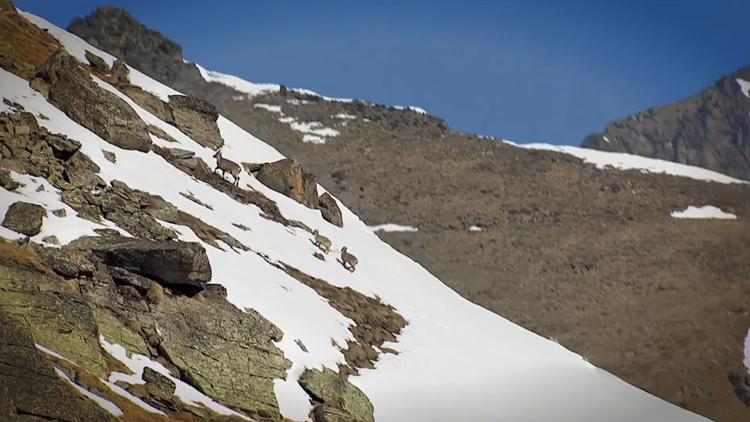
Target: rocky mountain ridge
[(581, 253), (710, 129), (137, 282)]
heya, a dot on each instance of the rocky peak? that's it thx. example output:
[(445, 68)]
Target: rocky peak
[(116, 31), (710, 129)]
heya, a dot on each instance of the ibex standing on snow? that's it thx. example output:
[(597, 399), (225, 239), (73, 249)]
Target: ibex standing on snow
[(349, 260), (322, 242), (227, 166)]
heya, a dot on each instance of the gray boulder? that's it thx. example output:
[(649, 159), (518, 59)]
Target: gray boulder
[(337, 399), (168, 262), (197, 119), (330, 210), (25, 218)]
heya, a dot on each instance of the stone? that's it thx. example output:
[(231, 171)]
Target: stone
[(72, 91), (120, 72), (110, 156), (60, 212), (69, 263), (337, 399), (168, 262), (287, 177), (159, 388), (197, 119), (25, 218), (52, 240), (6, 181), (156, 131), (96, 62), (330, 210), (62, 146)]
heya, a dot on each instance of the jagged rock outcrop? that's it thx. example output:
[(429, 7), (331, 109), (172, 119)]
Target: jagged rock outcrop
[(70, 88), (117, 32), (288, 178), (710, 129), (196, 118), (25, 218)]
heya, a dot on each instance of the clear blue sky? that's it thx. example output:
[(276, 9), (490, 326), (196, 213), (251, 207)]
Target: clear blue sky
[(549, 71)]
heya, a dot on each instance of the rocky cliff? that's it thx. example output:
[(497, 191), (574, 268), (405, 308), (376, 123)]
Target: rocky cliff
[(710, 129)]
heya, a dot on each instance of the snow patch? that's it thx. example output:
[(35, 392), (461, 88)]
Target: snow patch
[(744, 86), (604, 137), (624, 161), (345, 116), (475, 229), (268, 107), (746, 352), (704, 212), (249, 88), (411, 108), (296, 102), (391, 227)]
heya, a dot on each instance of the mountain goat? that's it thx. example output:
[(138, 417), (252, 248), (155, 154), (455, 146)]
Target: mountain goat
[(227, 166), (349, 260), (322, 242)]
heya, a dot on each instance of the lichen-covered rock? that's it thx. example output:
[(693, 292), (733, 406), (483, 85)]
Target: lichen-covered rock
[(73, 91), (7, 182), (29, 388), (52, 240), (330, 210), (23, 45), (168, 262), (57, 318), (159, 388), (287, 177), (25, 218), (211, 340), (335, 398), (67, 262), (119, 72), (97, 62), (197, 119)]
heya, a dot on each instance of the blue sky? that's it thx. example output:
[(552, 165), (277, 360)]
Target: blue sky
[(533, 70)]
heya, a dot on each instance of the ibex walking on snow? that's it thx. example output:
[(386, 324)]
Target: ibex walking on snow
[(322, 242), (227, 166), (349, 260)]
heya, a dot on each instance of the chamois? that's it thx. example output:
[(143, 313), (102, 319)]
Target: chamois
[(349, 260), (322, 242), (227, 166)]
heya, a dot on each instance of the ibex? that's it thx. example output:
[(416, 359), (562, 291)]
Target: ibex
[(349, 260), (227, 166), (322, 242)]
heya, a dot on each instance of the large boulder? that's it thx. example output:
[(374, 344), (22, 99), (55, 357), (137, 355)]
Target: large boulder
[(330, 210), (72, 90), (197, 119), (168, 262), (25, 218), (287, 177), (336, 398)]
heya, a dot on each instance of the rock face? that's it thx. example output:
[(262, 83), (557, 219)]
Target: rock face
[(25, 218), (710, 129), (71, 89), (170, 263), (287, 177), (23, 46), (330, 210), (196, 118), (29, 385)]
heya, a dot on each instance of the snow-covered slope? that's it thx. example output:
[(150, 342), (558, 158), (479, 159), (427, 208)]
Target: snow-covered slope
[(456, 360)]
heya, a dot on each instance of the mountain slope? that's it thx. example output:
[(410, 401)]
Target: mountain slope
[(253, 245), (710, 129), (569, 248)]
